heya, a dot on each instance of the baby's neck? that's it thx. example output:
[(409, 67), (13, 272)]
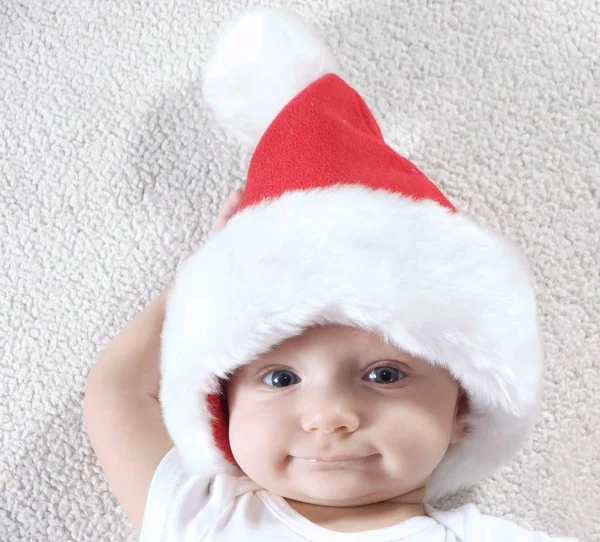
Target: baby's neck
[(352, 519)]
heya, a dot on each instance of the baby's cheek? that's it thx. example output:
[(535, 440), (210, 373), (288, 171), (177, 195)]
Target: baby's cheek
[(417, 437), (244, 433), (252, 431), (260, 446)]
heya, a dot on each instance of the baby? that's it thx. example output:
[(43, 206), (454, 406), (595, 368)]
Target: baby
[(347, 428), (341, 353)]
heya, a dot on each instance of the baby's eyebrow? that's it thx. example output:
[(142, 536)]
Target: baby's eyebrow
[(379, 356)]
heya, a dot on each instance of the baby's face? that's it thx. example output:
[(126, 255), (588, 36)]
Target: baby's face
[(340, 391)]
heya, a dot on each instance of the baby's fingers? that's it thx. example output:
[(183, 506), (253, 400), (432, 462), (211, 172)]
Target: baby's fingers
[(228, 210)]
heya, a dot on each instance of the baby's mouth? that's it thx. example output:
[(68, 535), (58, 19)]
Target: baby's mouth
[(340, 462)]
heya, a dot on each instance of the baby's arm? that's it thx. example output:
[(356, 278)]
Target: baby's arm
[(122, 413), (121, 410)]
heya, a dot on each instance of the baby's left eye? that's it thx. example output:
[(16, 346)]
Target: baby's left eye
[(384, 375), (281, 378)]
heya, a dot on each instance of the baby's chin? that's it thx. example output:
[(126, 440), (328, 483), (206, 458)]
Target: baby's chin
[(338, 494), (336, 488)]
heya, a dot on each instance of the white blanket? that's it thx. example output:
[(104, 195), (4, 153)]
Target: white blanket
[(112, 171)]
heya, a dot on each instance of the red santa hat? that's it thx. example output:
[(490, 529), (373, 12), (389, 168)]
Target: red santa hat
[(336, 227)]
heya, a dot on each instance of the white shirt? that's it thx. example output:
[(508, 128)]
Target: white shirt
[(183, 508)]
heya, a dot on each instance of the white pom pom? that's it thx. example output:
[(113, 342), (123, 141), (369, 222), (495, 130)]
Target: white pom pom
[(259, 63)]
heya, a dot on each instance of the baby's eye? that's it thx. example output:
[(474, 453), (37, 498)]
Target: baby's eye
[(384, 375), (280, 378)]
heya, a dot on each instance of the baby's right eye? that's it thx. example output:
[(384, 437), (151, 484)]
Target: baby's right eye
[(281, 378)]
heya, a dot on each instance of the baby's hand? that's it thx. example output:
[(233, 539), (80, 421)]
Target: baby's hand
[(228, 210)]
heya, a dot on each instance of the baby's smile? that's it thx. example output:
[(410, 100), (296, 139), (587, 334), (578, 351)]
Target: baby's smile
[(366, 462)]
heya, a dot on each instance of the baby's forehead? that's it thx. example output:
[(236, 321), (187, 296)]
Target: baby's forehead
[(337, 342)]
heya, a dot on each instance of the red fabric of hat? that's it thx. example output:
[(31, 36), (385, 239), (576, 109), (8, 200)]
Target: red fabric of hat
[(327, 135)]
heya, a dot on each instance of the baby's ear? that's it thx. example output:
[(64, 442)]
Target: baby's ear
[(459, 427)]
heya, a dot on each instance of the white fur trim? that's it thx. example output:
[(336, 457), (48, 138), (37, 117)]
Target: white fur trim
[(259, 62), (428, 280)]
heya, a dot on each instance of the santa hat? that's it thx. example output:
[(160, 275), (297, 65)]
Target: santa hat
[(335, 227)]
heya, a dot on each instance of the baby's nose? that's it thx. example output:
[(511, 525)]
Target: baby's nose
[(331, 416)]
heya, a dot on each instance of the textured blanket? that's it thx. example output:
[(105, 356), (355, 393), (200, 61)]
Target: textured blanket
[(112, 171)]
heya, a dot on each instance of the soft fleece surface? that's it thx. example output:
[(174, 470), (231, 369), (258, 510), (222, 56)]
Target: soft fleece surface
[(112, 171)]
